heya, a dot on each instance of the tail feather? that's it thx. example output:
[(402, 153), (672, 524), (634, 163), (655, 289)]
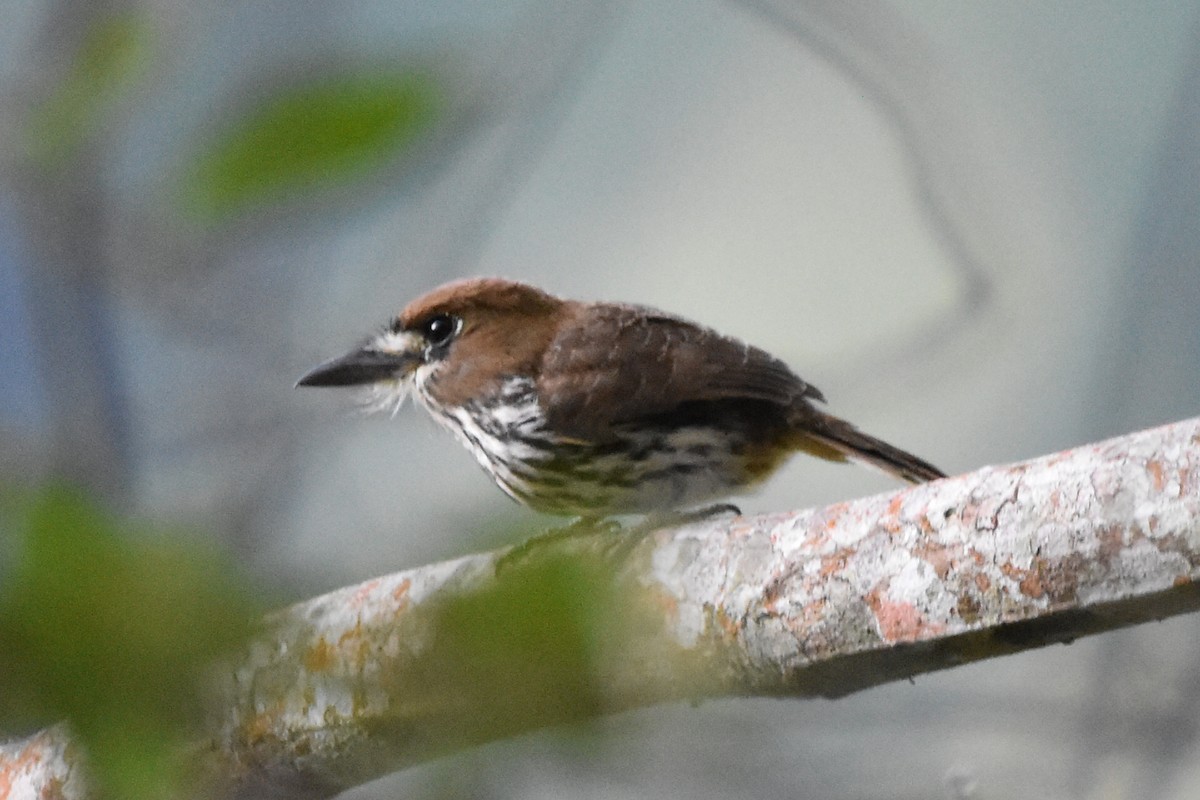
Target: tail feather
[(835, 439)]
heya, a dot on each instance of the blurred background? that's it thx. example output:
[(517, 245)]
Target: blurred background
[(976, 227)]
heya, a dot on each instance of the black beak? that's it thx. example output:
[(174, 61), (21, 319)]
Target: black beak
[(360, 367)]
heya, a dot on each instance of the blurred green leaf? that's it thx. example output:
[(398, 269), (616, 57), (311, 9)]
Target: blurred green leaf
[(310, 136), (114, 630), (111, 56), (526, 648)]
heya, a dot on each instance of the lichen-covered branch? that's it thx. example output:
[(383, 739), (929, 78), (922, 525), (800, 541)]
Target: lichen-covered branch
[(45, 765), (368, 679)]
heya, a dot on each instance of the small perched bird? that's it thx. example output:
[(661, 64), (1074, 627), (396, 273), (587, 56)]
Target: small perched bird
[(594, 409)]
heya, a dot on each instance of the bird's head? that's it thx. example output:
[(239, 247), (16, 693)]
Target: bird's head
[(456, 343)]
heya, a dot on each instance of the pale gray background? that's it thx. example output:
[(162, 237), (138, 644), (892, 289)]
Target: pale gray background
[(975, 226)]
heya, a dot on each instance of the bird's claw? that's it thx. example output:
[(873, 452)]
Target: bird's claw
[(617, 541), (677, 519), (578, 529)]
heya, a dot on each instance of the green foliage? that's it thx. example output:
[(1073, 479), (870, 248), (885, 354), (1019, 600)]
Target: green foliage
[(525, 649), (113, 630), (111, 56), (311, 136)]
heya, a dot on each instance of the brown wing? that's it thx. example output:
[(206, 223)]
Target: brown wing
[(616, 363)]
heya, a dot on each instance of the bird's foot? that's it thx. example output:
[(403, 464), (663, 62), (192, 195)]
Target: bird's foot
[(621, 545), (618, 541), (700, 514), (578, 529), (677, 519)]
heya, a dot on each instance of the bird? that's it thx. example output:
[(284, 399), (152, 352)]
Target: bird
[(596, 409)]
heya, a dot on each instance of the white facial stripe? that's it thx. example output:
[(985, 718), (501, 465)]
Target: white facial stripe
[(390, 341)]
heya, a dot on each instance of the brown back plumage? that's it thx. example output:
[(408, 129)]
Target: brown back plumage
[(612, 364)]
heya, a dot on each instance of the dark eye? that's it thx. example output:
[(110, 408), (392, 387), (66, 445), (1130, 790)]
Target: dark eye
[(440, 329)]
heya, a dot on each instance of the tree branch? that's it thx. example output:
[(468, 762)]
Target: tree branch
[(400, 669)]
